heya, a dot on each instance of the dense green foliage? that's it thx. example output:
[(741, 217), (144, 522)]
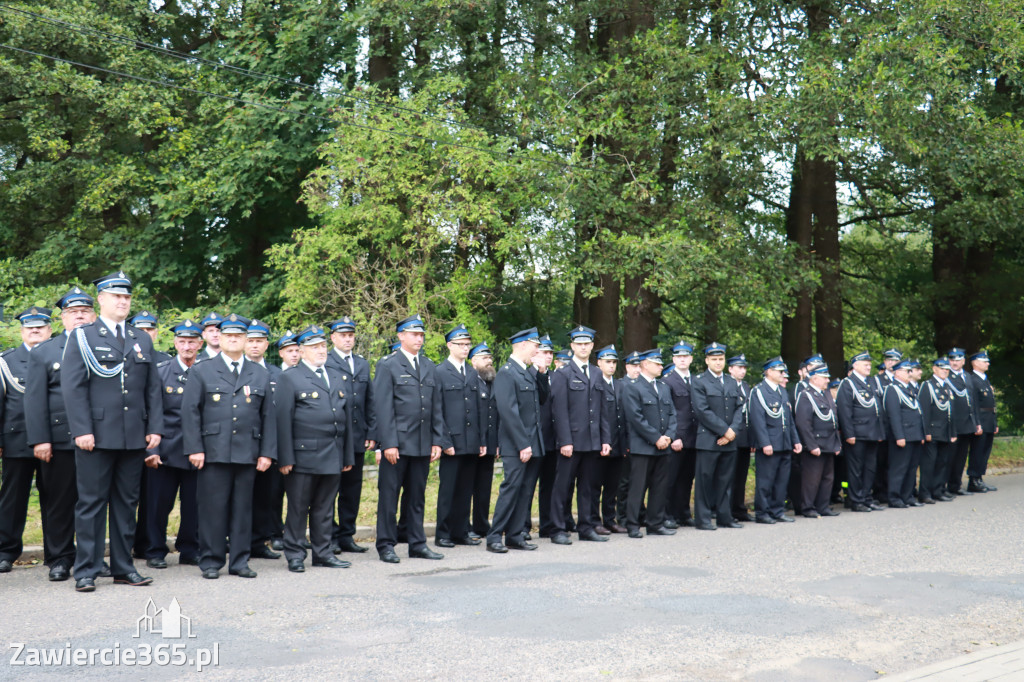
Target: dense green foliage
[(778, 177)]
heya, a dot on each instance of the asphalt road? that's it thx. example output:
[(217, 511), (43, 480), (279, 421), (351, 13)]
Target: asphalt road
[(846, 598)]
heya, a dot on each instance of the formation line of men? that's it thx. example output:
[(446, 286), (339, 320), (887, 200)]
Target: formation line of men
[(110, 428)]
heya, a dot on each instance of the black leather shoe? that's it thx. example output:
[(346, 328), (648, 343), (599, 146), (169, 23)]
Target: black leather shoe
[(990, 488), (592, 536), (730, 524), (561, 539), (743, 517), (704, 527), (425, 553), (527, 536), (946, 497), (472, 535), (615, 527), (349, 545), (962, 491), (601, 530), (277, 544), (927, 500), (469, 542), (765, 519), (156, 562), (85, 585), (690, 523), (104, 571), (296, 566), (133, 579), (526, 546), (331, 562), (914, 503), (244, 572), (388, 556), (6, 566), (897, 505), (635, 533), (188, 561), (975, 485), (211, 573), (876, 507), (264, 552), (496, 547), (661, 531), (860, 508), (443, 542), (785, 519), (829, 512), (811, 514), (59, 573), (670, 524)]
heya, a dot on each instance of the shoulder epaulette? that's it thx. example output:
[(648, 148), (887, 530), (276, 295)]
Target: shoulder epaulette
[(165, 362)]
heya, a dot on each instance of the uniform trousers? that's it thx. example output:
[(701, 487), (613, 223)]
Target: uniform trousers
[(515, 495), (860, 466), (408, 475), (483, 479), (310, 496), (580, 469), (713, 486), (164, 485), (267, 494), (647, 471), (956, 467), (816, 475), (739, 481), (682, 469), (141, 543), (107, 480), (225, 511), (455, 495), (623, 494), (546, 483), (981, 448), (903, 464), (936, 459), (772, 478), (15, 489), (609, 472), (881, 484), (57, 481), (350, 491)]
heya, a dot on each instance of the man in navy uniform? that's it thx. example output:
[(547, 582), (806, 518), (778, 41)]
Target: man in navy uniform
[(581, 435), (541, 363), (407, 405), (516, 395), (112, 387), (268, 488), (355, 377), (632, 363), (862, 427), (463, 440), (682, 457), (16, 455), (46, 423), (966, 421), (314, 447), (483, 362), (148, 322), (227, 416), (737, 368), (818, 428), (906, 437), (651, 417), (288, 350), (718, 407), (936, 400), (211, 335), (984, 400), (171, 475), (610, 466), (774, 437), (884, 378)]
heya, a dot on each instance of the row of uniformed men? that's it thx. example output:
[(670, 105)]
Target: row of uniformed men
[(591, 418)]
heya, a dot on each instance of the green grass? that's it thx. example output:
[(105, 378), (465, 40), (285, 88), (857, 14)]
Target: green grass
[(1007, 453)]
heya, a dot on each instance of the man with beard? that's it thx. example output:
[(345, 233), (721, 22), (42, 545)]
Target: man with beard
[(737, 367), (171, 475), (483, 362), (46, 423)]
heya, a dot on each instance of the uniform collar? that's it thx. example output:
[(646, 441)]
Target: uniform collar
[(228, 361)]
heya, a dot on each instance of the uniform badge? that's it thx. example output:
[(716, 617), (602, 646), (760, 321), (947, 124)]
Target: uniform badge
[(302, 395), (314, 394), (103, 330), (341, 394), (56, 366), (216, 397), (170, 390), (180, 389)]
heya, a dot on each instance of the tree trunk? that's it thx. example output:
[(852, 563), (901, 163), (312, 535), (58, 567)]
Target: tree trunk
[(828, 300), (796, 328), (641, 317)]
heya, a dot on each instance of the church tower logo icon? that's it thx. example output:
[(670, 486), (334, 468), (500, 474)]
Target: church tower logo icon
[(168, 622)]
